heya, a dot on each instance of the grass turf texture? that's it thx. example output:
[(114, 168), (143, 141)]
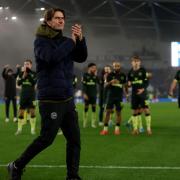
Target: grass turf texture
[(130, 157)]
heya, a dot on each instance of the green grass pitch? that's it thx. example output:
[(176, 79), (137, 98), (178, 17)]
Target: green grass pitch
[(111, 157)]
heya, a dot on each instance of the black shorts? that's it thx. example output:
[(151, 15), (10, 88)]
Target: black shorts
[(139, 101), (117, 103), (91, 100), (27, 103)]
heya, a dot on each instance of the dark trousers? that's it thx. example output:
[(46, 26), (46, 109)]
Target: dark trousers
[(55, 116), (179, 101), (7, 105), (101, 112), (101, 103)]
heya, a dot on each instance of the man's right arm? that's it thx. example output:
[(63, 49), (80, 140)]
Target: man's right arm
[(129, 80), (18, 70), (172, 87), (84, 86), (108, 81), (20, 79), (4, 73), (174, 83)]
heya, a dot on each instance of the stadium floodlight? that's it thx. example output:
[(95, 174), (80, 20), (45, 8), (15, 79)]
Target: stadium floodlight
[(42, 8), (6, 8), (13, 18), (1, 8), (41, 19), (175, 54)]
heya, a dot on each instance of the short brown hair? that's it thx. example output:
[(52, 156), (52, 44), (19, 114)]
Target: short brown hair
[(50, 13), (135, 57), (28, 60), (91, 64)]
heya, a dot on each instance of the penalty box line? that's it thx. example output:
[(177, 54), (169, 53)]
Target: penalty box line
[(104, 167)]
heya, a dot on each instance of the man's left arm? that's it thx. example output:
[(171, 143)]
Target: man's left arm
[(80, 51), (18, 70), (32, 78), (145, 78), (4, 73)]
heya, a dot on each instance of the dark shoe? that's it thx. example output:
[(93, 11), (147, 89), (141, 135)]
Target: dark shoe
[(73, 178), (14, 172)]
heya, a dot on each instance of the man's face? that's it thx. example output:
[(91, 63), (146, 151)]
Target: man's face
[(107, 69), (27, 65), (93, 69), (57, 22), (116, 66), (136, 63)]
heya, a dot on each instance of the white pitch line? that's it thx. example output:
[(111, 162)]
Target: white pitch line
[(104, 167)]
